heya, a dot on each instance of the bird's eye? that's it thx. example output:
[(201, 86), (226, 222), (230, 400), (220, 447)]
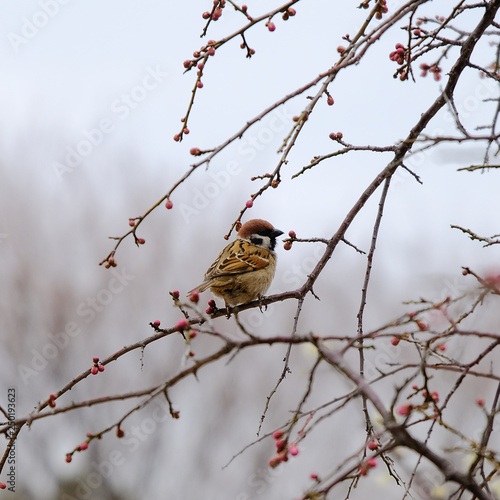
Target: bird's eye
[(256, 240)]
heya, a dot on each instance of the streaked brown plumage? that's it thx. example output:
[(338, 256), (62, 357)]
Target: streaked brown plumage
[(245, 268)]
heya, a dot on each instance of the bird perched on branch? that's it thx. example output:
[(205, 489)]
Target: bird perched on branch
[(244, 269)]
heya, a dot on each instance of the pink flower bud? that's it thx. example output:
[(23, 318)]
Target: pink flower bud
[(293, 450), (249, 204), (83, 446), (182, 324), (278, 434), (404, 410), (271, 26)]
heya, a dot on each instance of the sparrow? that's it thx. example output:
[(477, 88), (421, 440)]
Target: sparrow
[(244, 269)]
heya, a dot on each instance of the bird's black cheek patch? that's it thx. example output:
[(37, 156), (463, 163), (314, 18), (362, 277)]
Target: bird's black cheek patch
[(256, 241)]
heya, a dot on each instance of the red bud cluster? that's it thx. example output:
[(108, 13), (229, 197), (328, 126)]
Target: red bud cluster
[(399, 55), (434, 69), (381, 9), (211, 307), (97, 367), (282, 449)]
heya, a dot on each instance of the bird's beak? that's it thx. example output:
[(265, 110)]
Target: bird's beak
[(276, 233)]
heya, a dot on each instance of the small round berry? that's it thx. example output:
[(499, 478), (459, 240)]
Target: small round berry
[(101, 368), (339, 135), (187, 64), (119, 432), (244, 8), (373, 445), (274, 462), (209, 310), (131, 222), (271, 26), (296, 118), (211, 51), (480, 402), (3, 486), (141, 241), (314, 476), (83, 446), (333, 136), (200, 84), (291, 12), (293, 450), (156, 323), (186, 130), (287, 245), (395, 340), (192, 334), (330, 100), (95, 359), (194, 297), (292, 234), (275, 183), (340, 49), (211, 303), (68, 458), (249, 204), (169, 205), (177, 137), (371, 462), (94, 370), (205, 15), (191, 354), (195, 151), (442, 347), (175, 294)]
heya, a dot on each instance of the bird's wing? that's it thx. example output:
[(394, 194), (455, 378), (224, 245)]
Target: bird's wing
[(238, 257)]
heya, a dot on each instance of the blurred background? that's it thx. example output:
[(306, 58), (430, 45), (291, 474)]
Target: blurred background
[(91, 96)]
